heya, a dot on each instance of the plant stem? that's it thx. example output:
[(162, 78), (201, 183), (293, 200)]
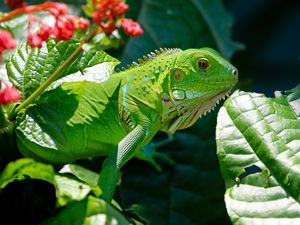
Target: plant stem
[(52, 77), (27, 9), (3, 120)]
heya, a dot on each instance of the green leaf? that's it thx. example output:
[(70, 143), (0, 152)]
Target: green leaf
[(187, 24), (258, 145), (68, 189), (93, 65), (219, 23), (99, 212), (26, 169), (29, 67), (89, 8), (81, 173), (89, 211), (87, 177), (72, 214), (107, 42)]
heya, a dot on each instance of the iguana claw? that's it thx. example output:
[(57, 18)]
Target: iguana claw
[(148, 153)]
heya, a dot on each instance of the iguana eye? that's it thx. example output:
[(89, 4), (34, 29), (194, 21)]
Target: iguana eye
[(203, 64)]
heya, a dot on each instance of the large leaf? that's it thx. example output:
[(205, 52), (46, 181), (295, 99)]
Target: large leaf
[(258, 147), (25, 169), (67, 188), (29, 67), (89, 211), (186, 24), (81, 173), (80, 208)]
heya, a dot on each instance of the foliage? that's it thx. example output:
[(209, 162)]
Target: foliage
[(211, 29), (257, 137), (258, 142), (84, 209)]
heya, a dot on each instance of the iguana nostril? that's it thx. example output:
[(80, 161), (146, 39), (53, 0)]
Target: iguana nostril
[(235, 72)]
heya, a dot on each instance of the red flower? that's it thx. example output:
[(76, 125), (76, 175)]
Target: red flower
[(58, 9), (96, 17), (108, 15), (45, 31), (81, 23), (109, 10), (131, 28), (109, 28), (64, 28), (8, 94), (34, 40), (119, 9), (6, 41)]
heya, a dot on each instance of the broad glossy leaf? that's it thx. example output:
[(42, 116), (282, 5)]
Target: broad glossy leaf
[(81, 173), (26, 169), (68, 189), (258, 141), (29, 67), (89, 211), (186, 24), (80, 206)]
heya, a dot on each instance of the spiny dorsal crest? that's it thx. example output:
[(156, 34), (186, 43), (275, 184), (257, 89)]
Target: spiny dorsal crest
[(152, 55)]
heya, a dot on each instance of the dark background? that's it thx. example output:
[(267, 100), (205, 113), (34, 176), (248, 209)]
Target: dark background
[(270, 31)]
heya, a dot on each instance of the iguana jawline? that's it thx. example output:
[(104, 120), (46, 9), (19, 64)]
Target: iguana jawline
[(189, 114)]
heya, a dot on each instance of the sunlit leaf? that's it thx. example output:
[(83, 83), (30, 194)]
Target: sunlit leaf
[(258, 146), (29, 67), (26, 169), (89, 211)]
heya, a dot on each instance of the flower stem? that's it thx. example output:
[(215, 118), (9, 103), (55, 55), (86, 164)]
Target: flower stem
[(52, 77), (27, 9)]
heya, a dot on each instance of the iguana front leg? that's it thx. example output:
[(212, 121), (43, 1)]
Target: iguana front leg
[(127, 147)]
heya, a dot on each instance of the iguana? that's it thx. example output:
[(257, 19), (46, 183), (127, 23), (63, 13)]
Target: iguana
[(165, 91)]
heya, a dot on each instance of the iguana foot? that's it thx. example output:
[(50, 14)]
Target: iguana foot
[(148, 153)]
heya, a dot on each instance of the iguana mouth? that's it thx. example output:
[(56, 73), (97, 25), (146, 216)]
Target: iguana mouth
[(179, 94), (209, 105), (205, 107)]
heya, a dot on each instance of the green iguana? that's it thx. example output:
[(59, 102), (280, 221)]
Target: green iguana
[(166, 91)]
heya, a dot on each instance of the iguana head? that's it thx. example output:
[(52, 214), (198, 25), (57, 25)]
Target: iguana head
[(199, 79)]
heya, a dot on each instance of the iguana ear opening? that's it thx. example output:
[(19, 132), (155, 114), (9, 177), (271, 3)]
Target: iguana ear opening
[(178, 73)]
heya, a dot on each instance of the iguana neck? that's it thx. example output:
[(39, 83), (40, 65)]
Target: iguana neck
[(182, 114), (142, 90)]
